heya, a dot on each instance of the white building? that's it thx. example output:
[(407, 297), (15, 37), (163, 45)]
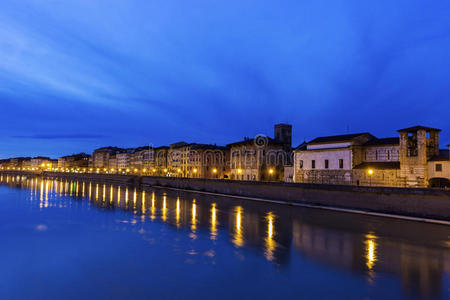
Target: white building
[(412, 160)]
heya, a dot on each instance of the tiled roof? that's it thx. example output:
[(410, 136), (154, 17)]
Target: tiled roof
[(336, 138), (383, 141), (419, 127), (270, 141), (208, 146), (388, 165), (301, 147), (443, 156), (162, 147)]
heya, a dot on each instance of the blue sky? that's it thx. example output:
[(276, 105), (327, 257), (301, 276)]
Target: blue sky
[(76, 75)]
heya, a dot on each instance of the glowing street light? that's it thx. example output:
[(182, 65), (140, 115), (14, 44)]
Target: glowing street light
[(370, 172)]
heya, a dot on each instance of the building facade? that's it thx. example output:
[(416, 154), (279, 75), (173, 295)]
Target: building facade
[(143, 159), (100, 157), (363, 159), (198, 161), (262, 158), (79, 161)]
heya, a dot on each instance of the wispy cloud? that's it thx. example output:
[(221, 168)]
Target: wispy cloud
[(141, 70)]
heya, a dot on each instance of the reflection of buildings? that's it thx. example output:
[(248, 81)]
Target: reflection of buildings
[(420, 268), (272, 231)]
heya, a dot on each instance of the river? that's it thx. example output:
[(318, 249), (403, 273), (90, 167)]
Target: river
[(75, 240)]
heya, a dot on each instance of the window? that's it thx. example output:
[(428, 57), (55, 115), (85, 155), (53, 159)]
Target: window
[(438, 167), (388, 155), (313, 164), (326, 163), (341, 164), (301, 164), (376, 154)]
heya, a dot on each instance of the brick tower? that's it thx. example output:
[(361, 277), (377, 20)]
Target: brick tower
[(417, 145)]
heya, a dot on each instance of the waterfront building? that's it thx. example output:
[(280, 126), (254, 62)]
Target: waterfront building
[(176, 159), (77, 161), (207, 161), (362, 159), (100, 157), (124, 159), (112, 163), (26, 163), (262, 158), (198, 160), (160, 165), (143, 159), (41, 162)]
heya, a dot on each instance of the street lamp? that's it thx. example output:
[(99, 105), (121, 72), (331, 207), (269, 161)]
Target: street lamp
[(370, 172)]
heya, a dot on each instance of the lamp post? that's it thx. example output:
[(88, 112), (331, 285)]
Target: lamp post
[(370, 172)]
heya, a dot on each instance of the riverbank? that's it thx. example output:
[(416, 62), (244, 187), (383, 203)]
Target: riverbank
[(384, 201)]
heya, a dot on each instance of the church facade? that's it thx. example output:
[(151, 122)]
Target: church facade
[(413, 159)]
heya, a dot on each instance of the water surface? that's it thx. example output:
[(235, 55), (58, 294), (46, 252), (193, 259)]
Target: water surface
[(75, 240)]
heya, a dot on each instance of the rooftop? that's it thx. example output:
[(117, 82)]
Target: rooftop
[(337, 138), (248, 141), (418, 127), (302, 146), (444, 155), (383, 141)]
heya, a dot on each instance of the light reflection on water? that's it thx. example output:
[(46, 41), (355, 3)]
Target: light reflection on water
[(417, 254)]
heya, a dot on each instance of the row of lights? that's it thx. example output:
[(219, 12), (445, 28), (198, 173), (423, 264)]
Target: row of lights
[(271, 171)]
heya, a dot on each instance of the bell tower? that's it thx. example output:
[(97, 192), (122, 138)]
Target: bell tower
[(283, 133), (417, 145)]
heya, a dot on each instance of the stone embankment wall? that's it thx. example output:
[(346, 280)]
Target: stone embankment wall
[(428, 203), (402, 201)]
